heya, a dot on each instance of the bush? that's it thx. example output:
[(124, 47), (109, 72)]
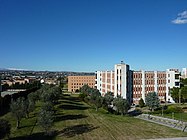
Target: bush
[(173, 109), (141, 103)]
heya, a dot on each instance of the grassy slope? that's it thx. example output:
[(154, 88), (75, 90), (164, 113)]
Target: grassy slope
[(75, 120)]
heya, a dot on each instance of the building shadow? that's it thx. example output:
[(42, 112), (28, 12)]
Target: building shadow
[(76, 130), (69, 117)]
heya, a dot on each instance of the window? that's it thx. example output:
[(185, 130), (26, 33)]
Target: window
[(177, 84), (176, 76)]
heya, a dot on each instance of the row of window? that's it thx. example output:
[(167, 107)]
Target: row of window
[(82, 84), (78, 87)]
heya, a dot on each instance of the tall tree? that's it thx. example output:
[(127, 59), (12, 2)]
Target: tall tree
[(121, 105), (175, 94), (46, 117), (107, 100), (85, 89), (184, 81), (95, 98), (17, 110), (152, 101), (184, 93)]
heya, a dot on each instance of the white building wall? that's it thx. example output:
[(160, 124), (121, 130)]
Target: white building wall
[(155, 81), (184, 73), (111, 84), (171, 82), (143, 85), (98, 84)]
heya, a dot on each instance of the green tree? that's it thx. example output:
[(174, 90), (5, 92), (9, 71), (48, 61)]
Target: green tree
[(175, 94), (28, 107), (107, 100), (85, 89), (51, 95), (4, 128), (121, 105), (34, 96), (141, 103), (46, 117), (184, 93), (184, 81), (18, 110), (95, 98), (152, 101)]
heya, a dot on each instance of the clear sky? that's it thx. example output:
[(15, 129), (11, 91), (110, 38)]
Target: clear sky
[(90, 35)]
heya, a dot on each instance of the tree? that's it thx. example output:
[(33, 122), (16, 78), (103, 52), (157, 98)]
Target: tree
[(184, 93), (46, 117), (85, 89), (28, 107), (121, 105), (152, 101), (175, 94), (107, 100), (4, 128), (51, 95), (95, 98), (17, 110), (34, 96), (141, 103), (184, 81)]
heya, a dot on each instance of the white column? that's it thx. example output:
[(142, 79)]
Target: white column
[(167, 85), (155, 78), (111, 81), (143, 85), (115, 81), (106, 84)]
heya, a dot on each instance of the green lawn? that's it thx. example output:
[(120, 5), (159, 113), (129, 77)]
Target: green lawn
[(75, 120)]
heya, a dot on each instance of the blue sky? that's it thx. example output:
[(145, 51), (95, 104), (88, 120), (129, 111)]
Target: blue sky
[(90, 35)]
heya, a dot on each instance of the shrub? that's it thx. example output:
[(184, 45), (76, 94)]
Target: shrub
[(141, 103), (174, 109)]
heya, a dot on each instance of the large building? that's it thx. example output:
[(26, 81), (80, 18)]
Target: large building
[(76, 82), (134, 85), (129, 84)]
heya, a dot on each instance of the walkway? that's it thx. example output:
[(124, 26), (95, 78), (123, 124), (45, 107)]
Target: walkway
[(176, 124)]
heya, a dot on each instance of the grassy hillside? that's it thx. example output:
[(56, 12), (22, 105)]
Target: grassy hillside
[(76, 120)]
